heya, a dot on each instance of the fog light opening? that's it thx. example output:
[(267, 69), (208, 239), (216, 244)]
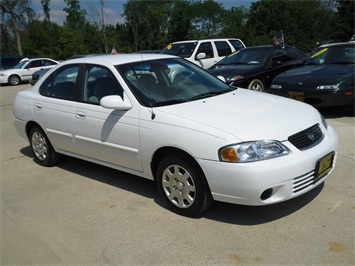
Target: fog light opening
[(266, 194)]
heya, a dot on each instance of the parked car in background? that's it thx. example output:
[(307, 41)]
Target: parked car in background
[(37, 75), (327, 79), (255, 67), (22, 72), (204, 53), (199, 139)]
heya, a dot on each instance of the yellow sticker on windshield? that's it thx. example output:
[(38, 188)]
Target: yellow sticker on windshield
[(319, 52), (169, 46)]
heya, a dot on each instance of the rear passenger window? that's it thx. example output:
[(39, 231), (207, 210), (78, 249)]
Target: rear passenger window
[(236, 44), (223, 48), (61, 83)]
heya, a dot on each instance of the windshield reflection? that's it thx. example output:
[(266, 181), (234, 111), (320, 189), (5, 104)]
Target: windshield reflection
[(170, 81)]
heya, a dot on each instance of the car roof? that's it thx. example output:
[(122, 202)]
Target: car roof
[(118, 59), (216, 39), (337, 44)]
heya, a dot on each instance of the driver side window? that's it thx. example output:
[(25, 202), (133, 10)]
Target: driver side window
[(99, 82), (206, 47)]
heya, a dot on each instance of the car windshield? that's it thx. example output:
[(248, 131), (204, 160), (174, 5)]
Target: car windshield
[(20, 64), (170, 81), (184, 49), (249, 56), (333, 55)]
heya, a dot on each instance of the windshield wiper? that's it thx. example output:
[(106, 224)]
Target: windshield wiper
[(208, 94), (169, 102)]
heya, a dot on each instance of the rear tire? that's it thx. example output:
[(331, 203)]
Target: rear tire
[(42, 149), (183, 186)]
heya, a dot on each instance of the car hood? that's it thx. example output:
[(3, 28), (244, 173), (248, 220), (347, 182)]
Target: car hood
[(243, 114), (326, 74), (11, 70), (230, 70)]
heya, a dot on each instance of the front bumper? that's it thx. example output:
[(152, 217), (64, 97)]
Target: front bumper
[(269, 181), (4, 79), (323, 98)]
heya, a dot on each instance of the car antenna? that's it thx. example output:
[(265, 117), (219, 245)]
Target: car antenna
[(150, 98)]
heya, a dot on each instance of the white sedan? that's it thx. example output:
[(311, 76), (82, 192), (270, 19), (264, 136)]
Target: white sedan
[(23, 71), (165, 119)]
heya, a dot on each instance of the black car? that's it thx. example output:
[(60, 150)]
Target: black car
[(327, 79), (255, 67), (37, 75)]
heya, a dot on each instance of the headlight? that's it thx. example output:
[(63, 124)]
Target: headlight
[(328, 87), (234, 78), (325, 124), (3, 75), (252, 151), (275, 86)]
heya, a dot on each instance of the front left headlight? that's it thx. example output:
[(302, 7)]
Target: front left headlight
[(328, 87), (252, 151)]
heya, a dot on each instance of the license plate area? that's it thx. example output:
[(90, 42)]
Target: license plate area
[(296, 95), (324, 165)]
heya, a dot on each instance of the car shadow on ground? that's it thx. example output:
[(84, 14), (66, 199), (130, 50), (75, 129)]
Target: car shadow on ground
[(219, 211)]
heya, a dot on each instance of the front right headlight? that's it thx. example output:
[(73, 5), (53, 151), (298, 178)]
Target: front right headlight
[(252, 151)]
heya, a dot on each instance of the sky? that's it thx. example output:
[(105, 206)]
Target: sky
[(112, 9)]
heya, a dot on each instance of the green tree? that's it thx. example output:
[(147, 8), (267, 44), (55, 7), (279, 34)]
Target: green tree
[(180, 24), (76, 17), (147, 22), (234, 23), (344, 21), (16, 14), (302, 22), (209, 19)]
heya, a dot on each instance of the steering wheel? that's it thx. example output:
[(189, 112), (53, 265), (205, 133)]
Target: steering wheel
[(181, 81)]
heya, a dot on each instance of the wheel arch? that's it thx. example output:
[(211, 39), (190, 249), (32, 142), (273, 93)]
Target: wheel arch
[(14, 75), (30, 125), (165, 151)]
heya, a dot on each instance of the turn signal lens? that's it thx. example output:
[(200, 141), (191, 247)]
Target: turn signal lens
[(228, 154)]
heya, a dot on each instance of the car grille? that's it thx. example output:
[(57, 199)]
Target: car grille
[(307, 138)]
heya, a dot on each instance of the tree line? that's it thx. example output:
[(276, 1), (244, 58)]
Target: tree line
[(151, 25)]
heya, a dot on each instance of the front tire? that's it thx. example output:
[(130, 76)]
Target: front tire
[(42, 149), (183, 186), (14, 80), (256, 85)]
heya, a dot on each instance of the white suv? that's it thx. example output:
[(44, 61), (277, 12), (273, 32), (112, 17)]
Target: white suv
[(204, 53)]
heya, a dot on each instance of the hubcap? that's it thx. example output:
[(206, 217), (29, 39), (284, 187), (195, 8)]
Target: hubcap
[(256, 87), (179, 186), (39, 146)]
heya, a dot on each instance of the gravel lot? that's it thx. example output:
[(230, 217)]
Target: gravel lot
[(78, 213)]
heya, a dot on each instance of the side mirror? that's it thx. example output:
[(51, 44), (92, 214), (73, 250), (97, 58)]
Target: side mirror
[(201, 56), (115, 102), (222, 78)]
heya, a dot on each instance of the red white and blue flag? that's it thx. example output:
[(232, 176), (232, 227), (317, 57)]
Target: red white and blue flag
[(279, 39), (113, 51)]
